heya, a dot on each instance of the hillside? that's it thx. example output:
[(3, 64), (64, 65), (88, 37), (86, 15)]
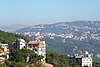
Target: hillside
[(9, 37), (65, 27), (64, 37)]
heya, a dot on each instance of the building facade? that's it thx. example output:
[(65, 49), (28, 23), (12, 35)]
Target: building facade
[(87, 61), (83, 60), (39, 47), (20, 44), (4, 52)]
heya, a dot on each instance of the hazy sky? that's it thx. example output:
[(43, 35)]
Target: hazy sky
[(32, 12)]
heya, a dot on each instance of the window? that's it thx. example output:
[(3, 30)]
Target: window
[(14, 45), (35, 49), (89, 64), (83, 59), (84, 64)]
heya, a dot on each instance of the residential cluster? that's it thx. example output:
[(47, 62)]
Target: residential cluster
[(82, 36), (39, 47)]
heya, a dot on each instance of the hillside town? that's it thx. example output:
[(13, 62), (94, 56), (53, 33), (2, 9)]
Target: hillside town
[(83, 36), (49, 33), (84, 33), (39, 47)]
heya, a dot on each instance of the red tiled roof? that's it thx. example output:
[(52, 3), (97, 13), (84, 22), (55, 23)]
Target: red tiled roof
[(2, 50), (35, 42)]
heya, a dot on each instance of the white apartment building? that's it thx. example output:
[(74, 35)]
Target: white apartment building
[(4, 52), (84, 60), (87, 61), (39, 47), (20, 43)]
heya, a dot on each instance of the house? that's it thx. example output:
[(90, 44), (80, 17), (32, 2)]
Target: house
[(39, 47), (83, 60), (20, 44), (4, 52)]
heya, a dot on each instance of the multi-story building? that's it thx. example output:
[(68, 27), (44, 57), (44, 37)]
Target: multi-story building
[(4, 52), (87, 61), (20, 43), (83, 60), (39, 47)]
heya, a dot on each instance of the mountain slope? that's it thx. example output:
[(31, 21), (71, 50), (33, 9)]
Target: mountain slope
[(64, 37), (63, 27)]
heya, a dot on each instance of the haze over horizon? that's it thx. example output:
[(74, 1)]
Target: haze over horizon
[(31, 12)]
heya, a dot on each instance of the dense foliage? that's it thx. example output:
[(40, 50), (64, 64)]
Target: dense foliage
[(21, 56), (9, 37), (19, 59), (57, 60), (96, 64), (67, 45)]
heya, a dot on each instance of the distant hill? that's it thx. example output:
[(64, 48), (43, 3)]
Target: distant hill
[(64, 37), (64, 27), (13, 27)]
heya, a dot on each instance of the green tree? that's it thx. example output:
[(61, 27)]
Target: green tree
[(57, 60), (9, 37), (21, 55), (96, 64), (3, 65)]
